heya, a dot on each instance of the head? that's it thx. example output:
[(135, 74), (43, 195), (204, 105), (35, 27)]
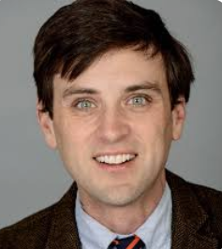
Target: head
[(79, 33), (112, 85)]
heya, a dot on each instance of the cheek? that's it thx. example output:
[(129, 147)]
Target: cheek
[(73, 136), (155, 133), (153, 125), (73, 146)]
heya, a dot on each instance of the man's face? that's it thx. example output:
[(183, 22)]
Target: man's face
[(117, 110)]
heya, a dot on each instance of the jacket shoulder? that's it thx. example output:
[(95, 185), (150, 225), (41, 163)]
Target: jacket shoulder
[(210, 199), (198, 197), (29, 232)]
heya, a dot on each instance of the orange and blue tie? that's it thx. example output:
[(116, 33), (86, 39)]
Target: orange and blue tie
[(132, 242)]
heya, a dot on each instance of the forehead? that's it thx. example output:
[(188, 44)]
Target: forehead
[(118, 69)]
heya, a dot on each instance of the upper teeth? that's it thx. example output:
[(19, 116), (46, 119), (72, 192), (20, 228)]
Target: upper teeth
[(117, 159)]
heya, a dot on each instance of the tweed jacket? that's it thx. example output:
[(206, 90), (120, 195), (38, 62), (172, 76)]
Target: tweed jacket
[(196, 224)]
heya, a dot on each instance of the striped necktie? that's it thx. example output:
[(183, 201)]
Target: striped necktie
[(132, 242)]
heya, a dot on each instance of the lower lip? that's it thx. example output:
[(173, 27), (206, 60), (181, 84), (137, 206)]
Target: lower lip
[(115, 167)]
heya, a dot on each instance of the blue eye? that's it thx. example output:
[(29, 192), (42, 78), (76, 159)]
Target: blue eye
[(138, 101), (84, 104)]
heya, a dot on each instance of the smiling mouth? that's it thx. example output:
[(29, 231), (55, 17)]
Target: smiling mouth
[(115, 160)]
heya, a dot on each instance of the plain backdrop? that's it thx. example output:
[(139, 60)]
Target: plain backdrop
[(32, 176)]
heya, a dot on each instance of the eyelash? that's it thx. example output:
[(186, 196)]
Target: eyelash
[(147, 98), (79, 101)]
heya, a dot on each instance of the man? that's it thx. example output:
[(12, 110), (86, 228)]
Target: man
[(112, 86)]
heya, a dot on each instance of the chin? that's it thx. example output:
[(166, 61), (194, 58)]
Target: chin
[(119, 197)]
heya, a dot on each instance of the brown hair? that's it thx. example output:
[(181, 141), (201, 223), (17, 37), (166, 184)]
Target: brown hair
[(78, 33)]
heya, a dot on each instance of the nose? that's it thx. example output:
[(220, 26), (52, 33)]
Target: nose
[(114, 126)]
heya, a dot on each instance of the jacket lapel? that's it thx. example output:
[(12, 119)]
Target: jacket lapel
[(63, 231), (190, 221), (189, 224)]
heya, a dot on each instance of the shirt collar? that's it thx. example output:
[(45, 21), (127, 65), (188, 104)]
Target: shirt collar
[(155, 229), (91, 232)]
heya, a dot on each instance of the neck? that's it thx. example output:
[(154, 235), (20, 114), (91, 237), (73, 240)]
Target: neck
[(125, 219)]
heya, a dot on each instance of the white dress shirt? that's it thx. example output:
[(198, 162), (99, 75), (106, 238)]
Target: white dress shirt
[(155, 231)]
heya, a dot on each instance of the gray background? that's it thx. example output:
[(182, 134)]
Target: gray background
[(32, 176)]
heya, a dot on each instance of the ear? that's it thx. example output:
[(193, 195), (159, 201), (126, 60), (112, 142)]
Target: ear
[(47, 127), (178, 118)]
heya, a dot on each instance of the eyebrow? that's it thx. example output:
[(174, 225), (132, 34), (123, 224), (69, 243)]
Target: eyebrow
[(144, 86), (133, 88), (72, 91)]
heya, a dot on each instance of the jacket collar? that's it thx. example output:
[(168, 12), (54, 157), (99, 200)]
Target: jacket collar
[(189, 218), (63, 231)]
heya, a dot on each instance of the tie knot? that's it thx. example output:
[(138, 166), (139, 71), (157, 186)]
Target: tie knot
[(132, 242)]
